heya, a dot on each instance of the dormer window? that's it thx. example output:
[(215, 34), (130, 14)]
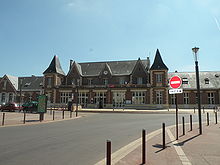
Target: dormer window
[(139, 80), (185, 81), (121, 80), (89, 81), (105, 81), (27, 84), (206, 81)]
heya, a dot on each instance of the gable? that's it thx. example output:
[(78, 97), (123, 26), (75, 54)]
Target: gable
[(139, 70), (73, 74), (8, 85)]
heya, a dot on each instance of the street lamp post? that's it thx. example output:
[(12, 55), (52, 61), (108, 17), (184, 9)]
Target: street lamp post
[(77, 95), (20, 95), (195, 50)]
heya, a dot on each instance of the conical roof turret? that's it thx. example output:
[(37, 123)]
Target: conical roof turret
[(158, 62), (54, 67)]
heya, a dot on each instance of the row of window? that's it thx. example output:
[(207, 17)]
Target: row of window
[(7, 98), (185, 81), (211, 98), (138, 97)]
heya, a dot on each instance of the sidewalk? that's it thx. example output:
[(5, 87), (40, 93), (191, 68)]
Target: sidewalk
[(190, 149), (121, 110), (17, 118)]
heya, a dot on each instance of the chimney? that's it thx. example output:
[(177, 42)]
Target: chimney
[(71, 63), (148, 63)]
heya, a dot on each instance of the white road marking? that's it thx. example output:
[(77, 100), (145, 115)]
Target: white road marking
[(180, 152)]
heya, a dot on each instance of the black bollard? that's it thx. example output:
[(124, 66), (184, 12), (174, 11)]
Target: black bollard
[(53, 115), (216, 120), (190, 122), (70, 114), (183, 125), (63, 114), (3, 119), (163, 134), (24, 118), (108, 153), (207, 119), (143, 147)]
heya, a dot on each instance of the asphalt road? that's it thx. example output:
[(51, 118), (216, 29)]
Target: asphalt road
[(75, 142)]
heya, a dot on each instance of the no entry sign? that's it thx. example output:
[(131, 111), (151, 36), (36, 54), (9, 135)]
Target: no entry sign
[(175, 82)]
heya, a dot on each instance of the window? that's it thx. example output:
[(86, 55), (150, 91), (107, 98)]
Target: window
[(211, 98), (100, 98), (121, 80), (10, 97), (83, 98), (3, 98), (185, 81), (173, 99), (90, 82), (49, 81), (105, 81), (4, 85), (159, 97), (65, 96), (159, 78), (206, 81), (73, 82), (185, 98), (196, 98), (138, 97), (139, 80)]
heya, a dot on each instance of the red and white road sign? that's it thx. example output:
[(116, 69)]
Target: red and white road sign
[(175, 82)]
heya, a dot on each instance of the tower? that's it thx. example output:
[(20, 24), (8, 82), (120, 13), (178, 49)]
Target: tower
[(159, 81), (53, 77)]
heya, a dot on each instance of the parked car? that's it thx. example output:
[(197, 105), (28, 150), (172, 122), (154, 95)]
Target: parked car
[(11, 107), (1, 105), (30, 106)]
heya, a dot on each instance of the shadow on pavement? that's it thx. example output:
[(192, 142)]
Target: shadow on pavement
[(159, 146), (185, 141)]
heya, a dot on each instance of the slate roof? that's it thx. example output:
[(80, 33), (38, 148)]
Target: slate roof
[(116, 67), (212, 76), (13, 80), (158, 63), (31, 83), (54, 67)]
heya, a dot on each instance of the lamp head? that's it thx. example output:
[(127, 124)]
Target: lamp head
[(195, 50)]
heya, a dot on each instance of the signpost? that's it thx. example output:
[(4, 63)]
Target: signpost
[(175, 84), (42, 106)]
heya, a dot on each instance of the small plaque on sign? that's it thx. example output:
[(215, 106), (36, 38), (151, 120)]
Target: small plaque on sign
[(175, 91)]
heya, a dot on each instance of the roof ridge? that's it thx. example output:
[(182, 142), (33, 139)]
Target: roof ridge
[(109, 61)]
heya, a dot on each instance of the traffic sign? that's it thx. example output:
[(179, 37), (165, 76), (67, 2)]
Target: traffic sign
[(175, 82), (175, 91)]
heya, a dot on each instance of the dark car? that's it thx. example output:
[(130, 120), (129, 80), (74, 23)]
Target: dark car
[(11, 107), (30, 106), (1, 105)]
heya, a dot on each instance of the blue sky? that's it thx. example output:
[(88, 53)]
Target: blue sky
[(33, 31)]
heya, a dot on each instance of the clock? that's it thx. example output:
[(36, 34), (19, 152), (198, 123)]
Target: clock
[(105, 72)]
